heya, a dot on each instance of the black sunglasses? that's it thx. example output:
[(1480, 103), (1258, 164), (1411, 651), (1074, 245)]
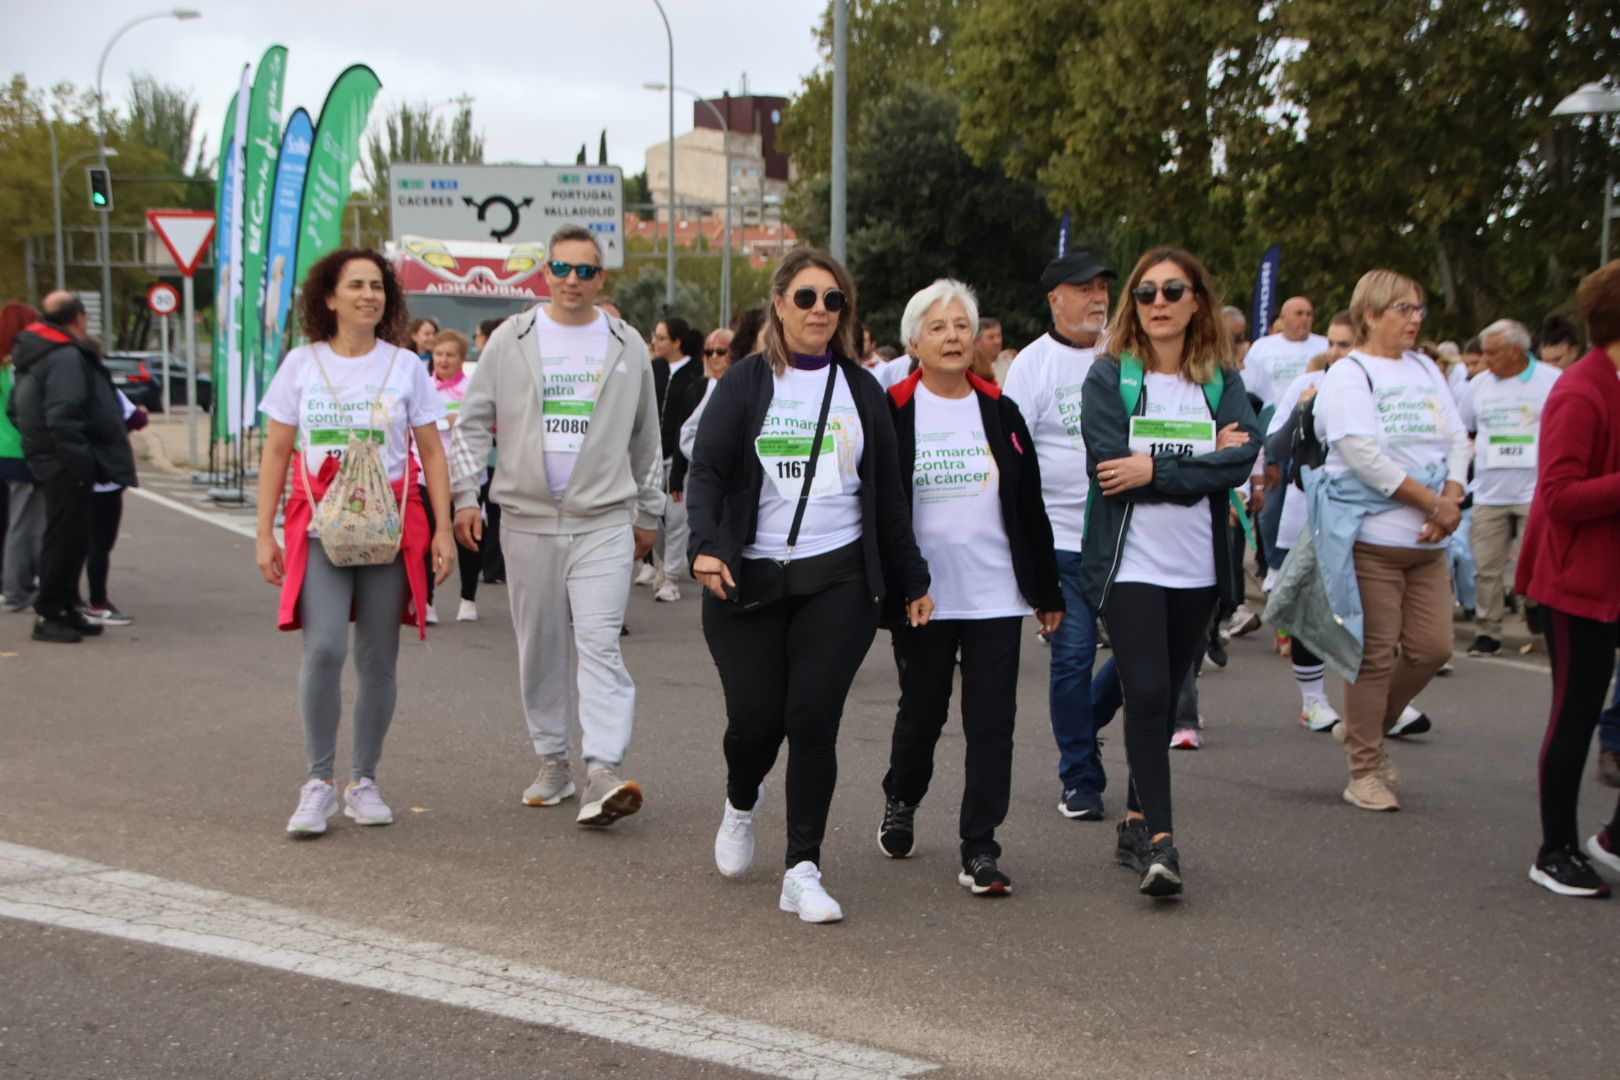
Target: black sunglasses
[(804, 298), (586, 271), (715, 352), (1173, 292)]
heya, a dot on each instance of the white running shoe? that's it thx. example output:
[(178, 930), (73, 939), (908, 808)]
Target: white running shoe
[(467, 612), (647, 574), (668, 593), (364, 803), (802, 895), (432, 616), (734, 842), (1243, 621), (1318, 715), (1186, 739), (317, 801)]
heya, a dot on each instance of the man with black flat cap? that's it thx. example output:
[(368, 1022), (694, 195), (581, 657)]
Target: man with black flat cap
[(1044, 382)]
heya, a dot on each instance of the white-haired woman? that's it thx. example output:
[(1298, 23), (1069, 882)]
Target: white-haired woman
[(967, 461)]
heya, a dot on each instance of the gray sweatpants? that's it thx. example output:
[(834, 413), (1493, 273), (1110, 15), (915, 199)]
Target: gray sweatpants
[(25, 531), (377, 597)]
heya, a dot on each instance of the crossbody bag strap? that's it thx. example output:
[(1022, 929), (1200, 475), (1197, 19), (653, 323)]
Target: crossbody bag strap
[(815, 456)]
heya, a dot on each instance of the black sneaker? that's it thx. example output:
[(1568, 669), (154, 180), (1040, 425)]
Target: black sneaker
[(1133, 849), (1081, 804), (897, 836), (1162, 877), (1568, 873), (983, 876), (1484, 645), (60, 632), (1216, 652), (83, 625)]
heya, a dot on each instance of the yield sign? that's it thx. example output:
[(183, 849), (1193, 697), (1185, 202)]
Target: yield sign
[(185, 233)]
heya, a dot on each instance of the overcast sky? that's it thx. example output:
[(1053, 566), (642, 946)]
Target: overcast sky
[(546, 76)]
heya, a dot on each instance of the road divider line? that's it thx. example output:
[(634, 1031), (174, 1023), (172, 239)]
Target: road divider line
[(58, 890), (237, 527)]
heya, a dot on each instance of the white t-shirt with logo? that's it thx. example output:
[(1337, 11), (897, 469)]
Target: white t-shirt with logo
[(1408, 409), (1274, 362), (1045, 381), (572, 360), (1166, 544), (1505, 415), (956, 512), (832, 515), (298, 396)]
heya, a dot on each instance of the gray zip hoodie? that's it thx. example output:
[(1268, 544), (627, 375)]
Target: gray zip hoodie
[(618, 476)]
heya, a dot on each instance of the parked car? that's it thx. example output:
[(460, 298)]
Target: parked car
[(140, 376)]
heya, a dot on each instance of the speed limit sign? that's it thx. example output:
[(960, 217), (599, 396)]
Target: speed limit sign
[(163, 299)]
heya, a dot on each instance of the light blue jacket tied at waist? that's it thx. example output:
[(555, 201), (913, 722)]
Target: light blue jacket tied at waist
[(1316, 597)]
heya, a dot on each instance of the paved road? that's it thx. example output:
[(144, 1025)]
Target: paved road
[(1315, 940)]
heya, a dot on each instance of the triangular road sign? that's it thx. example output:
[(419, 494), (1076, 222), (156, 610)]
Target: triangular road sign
[(185, 233)]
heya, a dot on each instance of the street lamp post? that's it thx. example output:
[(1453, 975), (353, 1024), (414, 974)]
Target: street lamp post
[(669, 258), (725, 251), (1594, 99), (463, 100), (840, 130), (101, 149), (56, 196)]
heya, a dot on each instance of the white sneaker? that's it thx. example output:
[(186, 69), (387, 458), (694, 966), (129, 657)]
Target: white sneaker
[(668, 592), (432, 616), (1243, 621), (646, 574), (468, 612), (364, 803), (734, 842), (1318, 715), (803, 895), (317, 801)]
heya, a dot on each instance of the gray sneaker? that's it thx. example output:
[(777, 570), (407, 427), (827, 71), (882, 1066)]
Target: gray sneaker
[(552, 784), (607, 798)]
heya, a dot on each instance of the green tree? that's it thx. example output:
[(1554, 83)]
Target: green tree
[(164, 117), (413, 133)]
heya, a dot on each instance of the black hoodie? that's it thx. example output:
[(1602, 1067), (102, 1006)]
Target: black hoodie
[(67, 411)]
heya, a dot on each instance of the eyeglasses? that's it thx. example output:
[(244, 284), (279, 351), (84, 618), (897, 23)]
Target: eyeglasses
[(715, 352), (586, 271), (804, 298), (1406, 311), (1173, 292)]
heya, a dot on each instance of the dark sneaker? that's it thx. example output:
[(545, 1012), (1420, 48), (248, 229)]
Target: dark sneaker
[(897, 835), (59, 632), (1216, 652), (1485, 645), (1081, 804), (1132, 848), (1163, 874), (83, 625), (1609, 767), (106, 615), (1568, 873), (1411, 722), (983, 877)]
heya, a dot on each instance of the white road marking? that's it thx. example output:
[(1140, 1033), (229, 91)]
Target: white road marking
[(1503, 661), (228, 524), (57, 890)]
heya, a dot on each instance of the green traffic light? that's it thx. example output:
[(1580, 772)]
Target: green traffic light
[(99, 199)]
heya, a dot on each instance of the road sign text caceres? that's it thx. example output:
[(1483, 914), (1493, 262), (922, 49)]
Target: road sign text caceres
[(508, 204)]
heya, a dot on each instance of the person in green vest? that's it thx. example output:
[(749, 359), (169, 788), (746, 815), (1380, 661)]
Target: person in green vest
[(22, 504)]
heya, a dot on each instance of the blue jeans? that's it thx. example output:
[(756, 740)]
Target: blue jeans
[(1609, 719), (1460, 556), (1074, 650)]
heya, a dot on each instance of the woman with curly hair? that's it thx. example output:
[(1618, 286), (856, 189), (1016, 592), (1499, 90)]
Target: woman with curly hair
[(350, 378)]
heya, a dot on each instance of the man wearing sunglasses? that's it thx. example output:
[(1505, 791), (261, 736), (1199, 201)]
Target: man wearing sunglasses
[(1045, 381), (571, 389)]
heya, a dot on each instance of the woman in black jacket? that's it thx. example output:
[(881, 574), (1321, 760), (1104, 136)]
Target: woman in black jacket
[(1169, 433), (967, 458), (792, 552)]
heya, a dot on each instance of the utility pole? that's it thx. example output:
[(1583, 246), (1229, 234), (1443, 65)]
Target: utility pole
[(840, 134)]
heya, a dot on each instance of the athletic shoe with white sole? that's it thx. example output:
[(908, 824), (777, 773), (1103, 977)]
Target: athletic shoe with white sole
[(317, 801), (1601, 847), (1081, 804), (1568, 873), (432, 618), (804, 896), (467, 612), (1133, 848), (1243, 621), (1370, 792), (1410, 722), (1318, 715), (1162, 877), (983, 877), (668, 593), (607, 798), (734, 841), (646, 574), (364, 803), (552, 784), (897, 833), (1186, 739), (106, 615)]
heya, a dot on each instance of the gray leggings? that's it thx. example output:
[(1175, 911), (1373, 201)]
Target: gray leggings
[(377, 594)]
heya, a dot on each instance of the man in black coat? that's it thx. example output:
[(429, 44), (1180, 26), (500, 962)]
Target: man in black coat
[(72, 426)]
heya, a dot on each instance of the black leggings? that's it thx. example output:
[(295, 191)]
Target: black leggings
[(786, 671), (1582, 655), (468, 562), (1157, 635), (106, 511)]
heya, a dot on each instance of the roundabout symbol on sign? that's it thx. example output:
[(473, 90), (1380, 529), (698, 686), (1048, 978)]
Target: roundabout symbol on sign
[(163, 299)]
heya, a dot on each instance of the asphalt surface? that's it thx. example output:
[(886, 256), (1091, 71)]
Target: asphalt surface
[(1313, 940)]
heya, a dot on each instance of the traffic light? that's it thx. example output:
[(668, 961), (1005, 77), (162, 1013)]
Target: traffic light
[(100, 187)]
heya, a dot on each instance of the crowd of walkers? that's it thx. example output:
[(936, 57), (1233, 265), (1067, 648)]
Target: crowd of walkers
[(1109, 482)]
